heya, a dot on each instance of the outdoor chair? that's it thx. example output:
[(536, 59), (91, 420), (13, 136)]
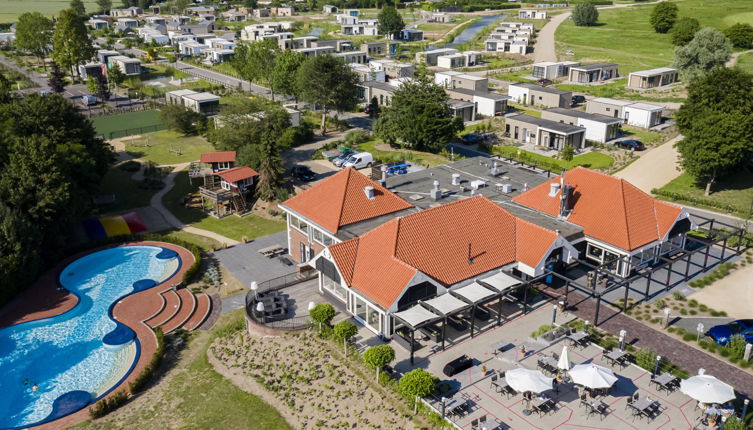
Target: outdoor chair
[(494, 382), (482, 421), (583, 399), (474, 424)]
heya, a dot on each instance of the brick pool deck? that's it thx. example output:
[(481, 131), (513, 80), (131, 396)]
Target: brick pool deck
[(46, 299)]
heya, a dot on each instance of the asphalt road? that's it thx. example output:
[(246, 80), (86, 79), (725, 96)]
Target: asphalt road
[(225, 80)]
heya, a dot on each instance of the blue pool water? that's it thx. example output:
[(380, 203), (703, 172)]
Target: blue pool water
[(65, 356)]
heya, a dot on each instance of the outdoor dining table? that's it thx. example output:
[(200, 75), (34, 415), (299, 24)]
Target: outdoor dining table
[(665, 381), (542, 405), (578, 338), (500, 384), (616, 356), (643, 406), (271, 251), (549, 363), (597, 406)]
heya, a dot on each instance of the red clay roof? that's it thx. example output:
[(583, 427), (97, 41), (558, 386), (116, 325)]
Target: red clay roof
[(237, 174), (340, 200), (609, 209), (217, 157), (436, 242)]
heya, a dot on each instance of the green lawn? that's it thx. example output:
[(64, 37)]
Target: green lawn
[(624, 35), (168, 147), (194, 396), (436, 26), (109, 125), (745, 62), (250, 226), (127, 191), (641, 134), (735, 192), (415, 157), (593, 160), (11, 9), (617, 90)]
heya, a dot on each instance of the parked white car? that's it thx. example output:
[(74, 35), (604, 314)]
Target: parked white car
[(359, 160)]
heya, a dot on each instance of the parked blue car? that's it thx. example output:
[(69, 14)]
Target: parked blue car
[(721, 334)]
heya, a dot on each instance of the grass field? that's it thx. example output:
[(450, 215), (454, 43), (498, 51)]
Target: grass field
[(593, 160), (126, 190), (624, 35), (735, 191), (250, 226), (191, 395), (617, 90), (745, 62), (416, 157), (11, 9), (167, 147), (107, 124)]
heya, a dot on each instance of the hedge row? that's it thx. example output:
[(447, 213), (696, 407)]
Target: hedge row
[(108, 404), (695, 201)]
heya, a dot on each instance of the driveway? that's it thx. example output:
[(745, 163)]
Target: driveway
[(654, 169)]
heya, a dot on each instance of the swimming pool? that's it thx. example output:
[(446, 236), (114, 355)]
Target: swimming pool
[(55, 366)]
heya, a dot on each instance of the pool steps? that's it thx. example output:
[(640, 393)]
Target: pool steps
[(180, 309)]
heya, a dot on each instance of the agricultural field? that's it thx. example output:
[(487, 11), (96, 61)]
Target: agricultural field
[(11, 9), (624, 35)]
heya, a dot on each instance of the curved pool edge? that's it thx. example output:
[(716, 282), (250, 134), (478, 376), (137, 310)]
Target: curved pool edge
[(120, 312)]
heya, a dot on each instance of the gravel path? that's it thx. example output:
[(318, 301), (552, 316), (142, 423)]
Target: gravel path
[(654, 169)]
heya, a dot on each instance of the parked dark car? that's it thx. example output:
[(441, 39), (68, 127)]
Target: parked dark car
[(578, 100), (543, 81), (472, 138), (302, 173), (721, 334), (635, 145)]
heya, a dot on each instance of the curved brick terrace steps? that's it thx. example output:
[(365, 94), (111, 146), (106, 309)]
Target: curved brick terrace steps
[(186, 309), (214, 314), (172, 306), (200, 314)]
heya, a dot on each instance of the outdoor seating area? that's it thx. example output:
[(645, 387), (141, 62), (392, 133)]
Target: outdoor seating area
[(273, 251)]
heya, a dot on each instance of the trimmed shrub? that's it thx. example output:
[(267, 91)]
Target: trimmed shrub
[(108, 404), (148, 372)]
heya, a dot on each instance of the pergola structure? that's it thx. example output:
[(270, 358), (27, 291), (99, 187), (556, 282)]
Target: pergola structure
[(440, 308)]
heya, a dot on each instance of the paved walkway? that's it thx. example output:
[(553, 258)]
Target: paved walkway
[(676, 351), (654, 169)]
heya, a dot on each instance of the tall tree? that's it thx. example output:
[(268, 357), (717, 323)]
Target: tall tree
[(57, 81), (717, 125), (390, 21), (708, 49), (328, 82), (684, 30), (104, 6), (286, 65), (585, 14), (419, 116), (34, 34), (71, 42), (663, 16), (255, 61), (78, 7), (741, 35), (115, 75)]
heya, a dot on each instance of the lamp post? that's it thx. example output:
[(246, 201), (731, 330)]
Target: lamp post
[(745, 409), (623, 333), (260, 309), (699, 329), (255, 289), (667, 313), (554, 313), (656, 367)]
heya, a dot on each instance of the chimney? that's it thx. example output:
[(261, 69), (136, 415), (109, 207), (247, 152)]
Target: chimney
[(383, 181), (436, 193), (456, 179), (525, 187), (494, 169), (554, 188), (369, 191)]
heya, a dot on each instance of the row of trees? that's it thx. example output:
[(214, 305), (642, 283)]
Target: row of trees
[(51, 164)]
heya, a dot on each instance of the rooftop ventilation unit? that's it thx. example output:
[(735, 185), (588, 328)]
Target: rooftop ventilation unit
[(436, 193), (554, 188), (477, 184), (369, 191), (507, 188), (494, 170), (456, 179)]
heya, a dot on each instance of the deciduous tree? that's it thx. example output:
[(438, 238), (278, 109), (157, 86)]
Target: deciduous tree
[(708, 49), (180, 118), (286, 65), (71, 41), (328, 82), (322, 314), (741, 35), (684, 30), (379, 356), (419, 117), (78, 7), (255, 61), (345, 330), (717, 125), (104, 6), (418, 383), (585, 14), (115, 75), (57, 81), (663, 16), (34, 34), (390, 21)]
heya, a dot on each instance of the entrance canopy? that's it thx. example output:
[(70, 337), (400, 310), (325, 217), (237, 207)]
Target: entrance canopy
[(500, 282), (446, 304), (416, 316), (474, 293)]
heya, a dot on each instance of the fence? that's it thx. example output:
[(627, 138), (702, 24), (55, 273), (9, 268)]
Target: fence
[(286, 281), (136, 130), (279, 323)]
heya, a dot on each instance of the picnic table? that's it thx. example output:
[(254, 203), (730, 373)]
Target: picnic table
[(272, 251), (665, 381), (616, 356), (578, 338)]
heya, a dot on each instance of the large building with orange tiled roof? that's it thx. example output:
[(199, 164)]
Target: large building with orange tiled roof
[(381, 246)]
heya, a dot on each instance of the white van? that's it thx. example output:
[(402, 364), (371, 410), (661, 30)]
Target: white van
[(359, 160)]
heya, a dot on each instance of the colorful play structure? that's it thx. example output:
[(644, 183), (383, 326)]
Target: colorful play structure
[(114, 225)]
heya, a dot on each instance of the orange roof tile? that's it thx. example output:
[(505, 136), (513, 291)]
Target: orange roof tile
[(340, 200), (449, 243), (609, 209), (217, 157), (237, 174)]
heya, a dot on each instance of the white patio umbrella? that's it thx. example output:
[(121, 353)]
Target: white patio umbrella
[(564, 362), (522, 379), (707, 389), (592, 376)]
